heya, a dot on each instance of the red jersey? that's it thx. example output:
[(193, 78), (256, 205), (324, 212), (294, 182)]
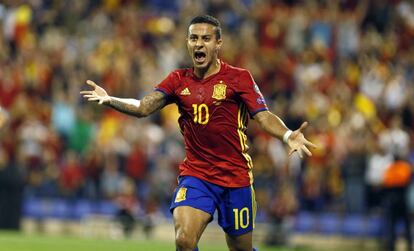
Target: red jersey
[(214, 113)]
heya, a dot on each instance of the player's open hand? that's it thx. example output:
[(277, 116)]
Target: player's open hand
[(298, 143), (98, 94)]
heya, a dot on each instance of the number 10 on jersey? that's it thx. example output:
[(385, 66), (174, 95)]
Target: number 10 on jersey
[(201, 114)]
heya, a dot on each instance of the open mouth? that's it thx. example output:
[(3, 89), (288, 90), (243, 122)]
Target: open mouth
[(199, 56)]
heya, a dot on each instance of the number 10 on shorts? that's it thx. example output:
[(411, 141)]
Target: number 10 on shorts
[(241, 218)]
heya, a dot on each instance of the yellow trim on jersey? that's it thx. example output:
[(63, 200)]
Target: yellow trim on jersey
[(254, 205), (242, 120)]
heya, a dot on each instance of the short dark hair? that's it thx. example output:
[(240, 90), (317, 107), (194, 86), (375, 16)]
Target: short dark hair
[(207, 19)]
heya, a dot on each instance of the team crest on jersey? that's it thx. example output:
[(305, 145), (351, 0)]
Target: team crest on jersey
[(181, 194), (219, 91)]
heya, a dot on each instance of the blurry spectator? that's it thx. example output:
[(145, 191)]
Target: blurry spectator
[(296, 29), (378, 162), (4, 119), (93, 169), (32, 136), (321, 26), (9, 86), (71, 176), (111, 179), (353, 168), (63, 116), (396, 180), (11, 184), (82, 132), (49, 186), (312, 195), (348, 34), (127, 205), (282, 206), (395, 138), (131, 211), (11, 192), (136, 166), (378, 15), (374, 75), (396, 92)]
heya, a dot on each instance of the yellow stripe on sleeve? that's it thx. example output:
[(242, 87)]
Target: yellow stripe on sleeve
[(242, 120)]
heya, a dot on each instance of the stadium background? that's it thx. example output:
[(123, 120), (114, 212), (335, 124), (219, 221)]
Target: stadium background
[(344, 66)]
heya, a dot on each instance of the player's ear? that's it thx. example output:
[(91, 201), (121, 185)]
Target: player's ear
[(219, 43)]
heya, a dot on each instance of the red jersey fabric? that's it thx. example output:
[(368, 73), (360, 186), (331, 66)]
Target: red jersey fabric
[(214, 113)]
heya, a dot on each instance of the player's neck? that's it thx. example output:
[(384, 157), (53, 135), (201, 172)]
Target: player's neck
[(212, 69)]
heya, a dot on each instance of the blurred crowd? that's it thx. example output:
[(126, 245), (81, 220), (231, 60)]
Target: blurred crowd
[(346, 66)]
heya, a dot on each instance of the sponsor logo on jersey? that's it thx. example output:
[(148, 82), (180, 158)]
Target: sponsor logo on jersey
[(185, 92), (219, 91), (181, 194)]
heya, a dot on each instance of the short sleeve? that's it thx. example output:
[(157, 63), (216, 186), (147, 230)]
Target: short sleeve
[(168, 86), (250, 94)]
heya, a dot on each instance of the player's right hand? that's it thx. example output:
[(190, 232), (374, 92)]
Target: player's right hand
[(298, 143), (98, 93)]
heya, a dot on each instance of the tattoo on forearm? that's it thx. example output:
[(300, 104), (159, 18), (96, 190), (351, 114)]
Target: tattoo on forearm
[(149, 104), (122, 105), (152, 102)]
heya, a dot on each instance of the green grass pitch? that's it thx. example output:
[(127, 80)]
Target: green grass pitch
[(12, 241)]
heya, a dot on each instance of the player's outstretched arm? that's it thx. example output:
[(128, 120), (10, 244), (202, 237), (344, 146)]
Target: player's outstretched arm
[(139, 108), (273, 125)]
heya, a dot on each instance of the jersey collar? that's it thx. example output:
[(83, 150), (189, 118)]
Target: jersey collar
[(223, 65)]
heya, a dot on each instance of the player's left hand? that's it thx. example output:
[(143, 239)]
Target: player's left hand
[(298, 143)]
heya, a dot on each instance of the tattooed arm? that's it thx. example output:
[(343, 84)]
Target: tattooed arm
[(139, 108)]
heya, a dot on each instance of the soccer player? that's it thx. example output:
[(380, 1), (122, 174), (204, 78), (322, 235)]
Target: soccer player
[(215, 102)]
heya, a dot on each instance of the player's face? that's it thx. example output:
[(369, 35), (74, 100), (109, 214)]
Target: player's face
[(202, 44)]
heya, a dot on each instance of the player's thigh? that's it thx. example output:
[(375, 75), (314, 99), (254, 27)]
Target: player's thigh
[(190, 221), (192, 206), (242, 242), (237, 211)]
